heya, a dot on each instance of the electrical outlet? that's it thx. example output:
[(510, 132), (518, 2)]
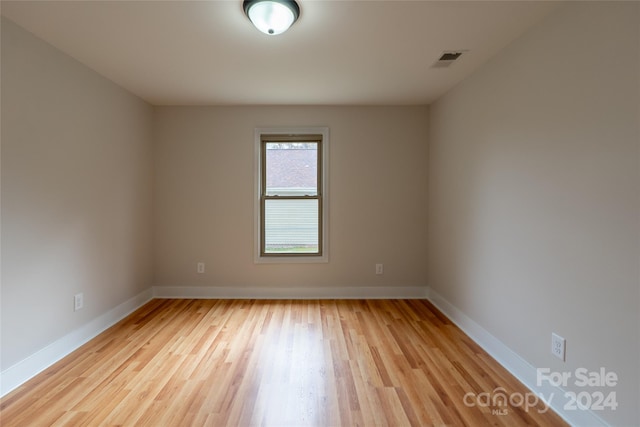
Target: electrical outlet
[(200, 267), (379, 269), (558, 346), (78, 302)]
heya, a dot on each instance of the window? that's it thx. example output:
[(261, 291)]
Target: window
[(291, 187)]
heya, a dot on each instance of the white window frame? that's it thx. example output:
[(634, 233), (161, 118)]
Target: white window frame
[(257, 167)]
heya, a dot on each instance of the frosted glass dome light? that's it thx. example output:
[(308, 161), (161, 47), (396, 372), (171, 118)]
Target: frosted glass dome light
[(272, 17)]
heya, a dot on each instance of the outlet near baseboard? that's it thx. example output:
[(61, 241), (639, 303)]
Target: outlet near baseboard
[(558, 346), (78, 301), (379, 269)]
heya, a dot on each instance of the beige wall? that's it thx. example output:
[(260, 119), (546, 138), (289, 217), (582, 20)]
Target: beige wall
[(76, 194), (534, 195), (205, 184)]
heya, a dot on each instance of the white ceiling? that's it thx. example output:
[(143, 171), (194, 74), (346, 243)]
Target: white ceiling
[(338, 53)]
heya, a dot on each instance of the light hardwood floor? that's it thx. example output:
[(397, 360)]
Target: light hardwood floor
[(276, 363)]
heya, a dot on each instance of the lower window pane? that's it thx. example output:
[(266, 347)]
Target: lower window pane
[(291, 226)]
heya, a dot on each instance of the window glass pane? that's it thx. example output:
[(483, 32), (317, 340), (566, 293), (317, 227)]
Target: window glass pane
[(291, 168), (291, 226)]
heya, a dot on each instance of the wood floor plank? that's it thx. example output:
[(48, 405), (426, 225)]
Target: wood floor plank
[(274, 363)]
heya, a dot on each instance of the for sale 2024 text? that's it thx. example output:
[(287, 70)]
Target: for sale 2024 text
[(595, 400)]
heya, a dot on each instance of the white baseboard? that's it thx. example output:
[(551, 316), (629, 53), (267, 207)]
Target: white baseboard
[(16, 375), (237, 292), (516, 365)]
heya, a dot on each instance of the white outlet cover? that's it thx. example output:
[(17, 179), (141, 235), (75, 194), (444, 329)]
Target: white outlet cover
[(78, 302), (558, 346)]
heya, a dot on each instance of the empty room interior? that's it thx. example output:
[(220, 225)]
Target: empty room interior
[(389, 213)]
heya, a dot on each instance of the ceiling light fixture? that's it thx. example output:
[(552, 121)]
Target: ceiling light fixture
[(272, 16)]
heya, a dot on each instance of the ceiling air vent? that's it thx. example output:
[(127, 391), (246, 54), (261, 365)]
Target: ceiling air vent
[(446, 59)]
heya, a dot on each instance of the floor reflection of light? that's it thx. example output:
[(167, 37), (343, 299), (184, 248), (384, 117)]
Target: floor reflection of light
[(292, 370)]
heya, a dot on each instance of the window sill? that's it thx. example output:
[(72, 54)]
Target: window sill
[(290, 259)]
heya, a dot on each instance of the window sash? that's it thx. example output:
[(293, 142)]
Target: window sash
[(266, 251), (271, 138)]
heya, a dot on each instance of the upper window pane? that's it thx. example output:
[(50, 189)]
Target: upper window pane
[(291, 168)]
